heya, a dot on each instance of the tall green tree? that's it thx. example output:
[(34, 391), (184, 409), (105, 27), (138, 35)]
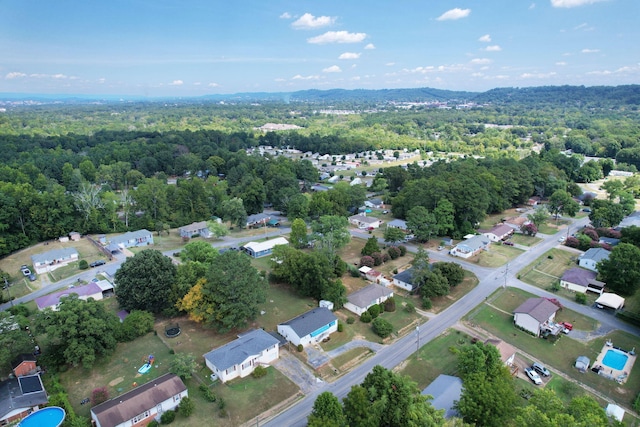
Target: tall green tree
[(298, 235), (371, 246), (199, 251), (14, 339), (561, 202), (327, 411), (621, 271), (422, 223), (144, 282), (393, 235), (233, 210), (79, 331)]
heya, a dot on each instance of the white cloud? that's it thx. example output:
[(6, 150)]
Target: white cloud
[(101, 80), (338, 37), (480, 61), (197, 83), (390, 64), (286, 15), (453, 14), (332, 69), (280, 79), (299, 77), (213, 84), (572, 3), (39, 76), (590, 50), (349, 55), (493, 48), (532, 6), (561, 63), (370, 46), (310, 22), (15, 75), (176, 83), (599, 73), (537, 75), (485, 39), (355, 78), (59, 76)]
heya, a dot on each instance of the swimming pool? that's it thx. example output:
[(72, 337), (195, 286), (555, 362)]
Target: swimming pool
[(45, 417), (615, 359)]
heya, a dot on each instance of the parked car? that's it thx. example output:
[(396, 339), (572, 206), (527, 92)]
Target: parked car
[(440, 248), (385, 212), (561, 239), (507, 242), (568, 326), (98, 263), (25, 271), (533, 376), (32, 277), (540, 369)]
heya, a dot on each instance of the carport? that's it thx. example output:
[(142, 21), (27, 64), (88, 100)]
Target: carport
[(610, 300)]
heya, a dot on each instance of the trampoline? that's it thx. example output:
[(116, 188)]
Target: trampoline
[(172, 331)]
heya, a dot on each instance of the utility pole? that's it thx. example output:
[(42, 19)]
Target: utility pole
[(8, 288), (506, 272), (418, 337)]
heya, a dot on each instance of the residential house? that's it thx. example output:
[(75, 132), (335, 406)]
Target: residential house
[(533, 201), (130, 239), (196, 228), (355, 181), (21, 396), (507, 352), (609, 241), (535, 315), (498, 232), (363, 221), (56, 258), (333, 179), (470, 247), (142, 404), (630, 220), (359, 301), (374, 203), (319, 187), (260, 249), (258, 220), (592, 257), (74, 236), (398, 223), (445, 390), (580, 280), (24, 365), (516, 222), (310, 327), (95, 290), (404, 280), (241, 356)]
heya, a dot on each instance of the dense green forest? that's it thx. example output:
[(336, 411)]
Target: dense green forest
[(98, 168)]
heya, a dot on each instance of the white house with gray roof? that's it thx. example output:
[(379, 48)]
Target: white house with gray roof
[(471, 246), (56, 258), (130, 239), (592, 257), (240, 357), (360, 301), (310, 327)]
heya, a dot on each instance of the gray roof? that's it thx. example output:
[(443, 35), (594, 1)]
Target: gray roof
[(445, 390), (475, 243), (195, 226), (397, 223), (596, 254), (368, 295), (310, 321), (609, 240), (23, 392), (130, 235), (405, 276), (582, 277), (375, 201), (237, 351), (256, 218), (540, 309), (53, 255)]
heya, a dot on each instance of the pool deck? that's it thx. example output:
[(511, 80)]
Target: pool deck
[(620, 376)]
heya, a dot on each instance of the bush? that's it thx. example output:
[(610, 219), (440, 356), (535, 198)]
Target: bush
[(83, 264), (390, 304), (636, 403), (550, 256), (426, 303), (374, 311), (365, 317), (385, 257), (167, 417), (555, 287), (366, 261), (351, 320), (186, 407), (353, 271), (153, 423), (410, 308), (382, 327), (300, 348), (20, 309), (377, 258), (581, 298), (208, 395), (394, 252), (222, 404), (403, 250), (99, 395), (340, 326), (259, 372)]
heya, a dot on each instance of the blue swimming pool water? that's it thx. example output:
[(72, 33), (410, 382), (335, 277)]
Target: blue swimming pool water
[(615, 359), (45, 417)]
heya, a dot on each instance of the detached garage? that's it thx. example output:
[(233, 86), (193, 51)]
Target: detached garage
[(610, 300)]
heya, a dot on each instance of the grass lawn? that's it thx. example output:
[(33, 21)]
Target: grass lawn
[(282, 303), (441, 303), (350, 358), (561, 355), (552, 226), (524, 240), (496, 256)]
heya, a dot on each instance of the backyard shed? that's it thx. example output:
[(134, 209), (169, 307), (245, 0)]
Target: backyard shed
[(614, 411), (611, 300), (582, 363)]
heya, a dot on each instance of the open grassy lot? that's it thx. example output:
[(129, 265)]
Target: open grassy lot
[(525, 240), (496, 256), (441, 303), (552, 226), (561, 355), (282, 304)]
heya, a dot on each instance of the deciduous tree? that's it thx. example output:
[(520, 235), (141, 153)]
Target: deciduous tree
[(621, 271)]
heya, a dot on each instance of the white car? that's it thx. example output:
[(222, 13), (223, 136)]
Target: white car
[(561, 239), (533, 376)]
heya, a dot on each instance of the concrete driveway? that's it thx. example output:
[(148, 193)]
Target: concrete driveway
[(297, 372)]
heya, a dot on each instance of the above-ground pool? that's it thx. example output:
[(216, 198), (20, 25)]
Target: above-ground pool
[(52, 416), (615, 359)]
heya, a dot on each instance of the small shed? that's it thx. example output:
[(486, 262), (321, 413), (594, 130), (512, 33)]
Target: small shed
[(614, 411), (582, 363), (611, 300)]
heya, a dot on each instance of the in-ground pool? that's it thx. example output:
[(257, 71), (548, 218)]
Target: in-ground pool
[(615, 359), (45, 417)]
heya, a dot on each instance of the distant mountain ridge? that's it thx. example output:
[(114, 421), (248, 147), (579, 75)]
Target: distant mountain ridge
[(595, 95)]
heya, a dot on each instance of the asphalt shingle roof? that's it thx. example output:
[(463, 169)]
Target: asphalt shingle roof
[(538, 308), (237, 351), (366, 296), (310, 321)]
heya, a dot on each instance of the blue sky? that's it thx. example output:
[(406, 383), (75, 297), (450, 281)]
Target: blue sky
[(194, 47)]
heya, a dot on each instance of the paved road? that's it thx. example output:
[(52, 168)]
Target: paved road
[(490, 280)]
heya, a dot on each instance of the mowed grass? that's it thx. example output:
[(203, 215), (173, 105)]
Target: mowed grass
[(561, 355), (548, 268), (525, 240), (441, 303), (497, 255)]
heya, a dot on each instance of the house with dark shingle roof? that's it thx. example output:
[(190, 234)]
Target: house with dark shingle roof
[(404, 280), (359, 301), (592, 257), (535, 314), (241, 356), (21, 396), (142, 404), (498, 232), (310, 327), (580, 280), (56, 258)]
